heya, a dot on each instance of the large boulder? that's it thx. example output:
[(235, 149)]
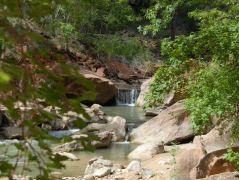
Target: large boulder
[(172, 124), (105, 89), (175, 163), (214, 140), (144, 89), (146, 151), (115, 125), (186, 158), (213, 163), (69, 156), (68, 147)]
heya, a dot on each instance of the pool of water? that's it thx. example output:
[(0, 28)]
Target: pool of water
[(132, 114), (117, 153)]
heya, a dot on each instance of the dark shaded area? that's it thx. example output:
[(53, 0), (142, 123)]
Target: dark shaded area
[(4, 121), (182, 141), (138, 5)]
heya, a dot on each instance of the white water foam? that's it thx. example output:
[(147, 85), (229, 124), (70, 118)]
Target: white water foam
[(127, 97)]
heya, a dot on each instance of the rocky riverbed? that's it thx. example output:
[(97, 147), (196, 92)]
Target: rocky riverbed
[(168, 148), (164, 147)]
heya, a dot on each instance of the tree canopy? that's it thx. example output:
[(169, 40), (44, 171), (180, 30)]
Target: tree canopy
[(202, 67)]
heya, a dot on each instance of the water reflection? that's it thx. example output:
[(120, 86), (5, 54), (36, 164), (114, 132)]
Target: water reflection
[(117, 153), (132, 114)]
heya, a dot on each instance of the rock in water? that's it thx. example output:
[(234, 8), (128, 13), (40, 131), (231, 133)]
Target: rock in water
[(115, 125), (70, 156), (68, 147), (96, 114), (104, 140)]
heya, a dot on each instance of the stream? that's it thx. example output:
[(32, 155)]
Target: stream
[(118, 151)]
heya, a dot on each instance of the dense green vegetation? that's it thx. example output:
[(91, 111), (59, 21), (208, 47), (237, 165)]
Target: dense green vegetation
[(199, 45), (212, 90), (109, 27)]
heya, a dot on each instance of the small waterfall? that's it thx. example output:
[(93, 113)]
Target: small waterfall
[(127, 97)]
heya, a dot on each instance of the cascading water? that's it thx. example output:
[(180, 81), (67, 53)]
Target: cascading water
[(127, 97)]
